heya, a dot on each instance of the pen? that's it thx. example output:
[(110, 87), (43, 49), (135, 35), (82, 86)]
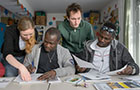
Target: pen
[(32, 63), (78, 82), (84, 80), (49, 86), (84, 84)]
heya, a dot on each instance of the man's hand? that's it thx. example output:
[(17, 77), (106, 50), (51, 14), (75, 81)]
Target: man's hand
[(79, 69), (48, 75), (31, 69), (127, 71), (25, 75)]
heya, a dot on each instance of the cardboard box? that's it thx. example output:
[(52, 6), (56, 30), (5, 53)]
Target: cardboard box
[(40, 20), (4, 20)]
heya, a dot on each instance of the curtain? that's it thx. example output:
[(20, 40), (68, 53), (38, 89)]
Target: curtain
[(137, 30), (126, 21), (132, 28)]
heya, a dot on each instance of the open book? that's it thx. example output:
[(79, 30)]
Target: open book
[(34, 79)]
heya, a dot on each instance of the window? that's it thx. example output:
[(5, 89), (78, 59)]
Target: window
[(134, 30)]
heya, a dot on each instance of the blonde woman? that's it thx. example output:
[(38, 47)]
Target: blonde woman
[(18, 41)]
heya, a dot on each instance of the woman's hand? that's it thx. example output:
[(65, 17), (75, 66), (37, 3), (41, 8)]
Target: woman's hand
[(25, 74)]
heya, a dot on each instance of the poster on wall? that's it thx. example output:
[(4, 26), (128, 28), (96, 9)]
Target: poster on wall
[(112, 16), (115, 20), (40, 29), (40, 36)]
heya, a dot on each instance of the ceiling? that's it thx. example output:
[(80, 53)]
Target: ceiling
[(59, 6), (52, 6)]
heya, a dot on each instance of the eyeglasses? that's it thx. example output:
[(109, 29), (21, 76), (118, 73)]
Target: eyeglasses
[(110, 30)]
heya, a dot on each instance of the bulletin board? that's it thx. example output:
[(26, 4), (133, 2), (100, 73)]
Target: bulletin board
[(111, 14)]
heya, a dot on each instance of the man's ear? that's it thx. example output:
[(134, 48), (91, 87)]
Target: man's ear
[(112, 38), (58, 42)]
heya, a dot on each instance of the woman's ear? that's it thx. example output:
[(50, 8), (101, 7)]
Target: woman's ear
[(67, 18)]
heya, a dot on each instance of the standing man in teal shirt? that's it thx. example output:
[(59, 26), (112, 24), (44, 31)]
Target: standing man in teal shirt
[(75, 31)]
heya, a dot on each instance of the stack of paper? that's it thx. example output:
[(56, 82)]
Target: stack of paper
[(4, 82), (132, 78), (101, 86), (94, 75), (128, 85), (55, 80), (34, 79)]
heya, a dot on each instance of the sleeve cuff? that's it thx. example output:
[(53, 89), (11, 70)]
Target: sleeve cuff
[(134, 70)]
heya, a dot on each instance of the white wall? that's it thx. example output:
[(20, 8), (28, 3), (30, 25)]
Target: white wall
[(28, 7), (58, 17), (50, 16)]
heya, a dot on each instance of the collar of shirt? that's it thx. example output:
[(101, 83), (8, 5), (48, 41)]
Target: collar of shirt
[(95, 47), (22, 43), (101, 57)]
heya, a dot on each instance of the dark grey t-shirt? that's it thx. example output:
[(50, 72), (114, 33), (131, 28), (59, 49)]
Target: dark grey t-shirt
[(47, 61)]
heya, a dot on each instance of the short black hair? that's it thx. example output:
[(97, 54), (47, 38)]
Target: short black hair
[(110, 26), (54, 31)]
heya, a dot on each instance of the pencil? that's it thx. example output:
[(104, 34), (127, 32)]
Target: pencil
[(49, 86)]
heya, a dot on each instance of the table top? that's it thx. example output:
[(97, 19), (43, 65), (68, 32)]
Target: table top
[(56, 86)]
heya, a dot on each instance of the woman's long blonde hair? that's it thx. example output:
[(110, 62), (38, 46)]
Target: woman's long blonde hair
[(24, 24)]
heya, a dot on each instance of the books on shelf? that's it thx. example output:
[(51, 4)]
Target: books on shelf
[(127, 85)]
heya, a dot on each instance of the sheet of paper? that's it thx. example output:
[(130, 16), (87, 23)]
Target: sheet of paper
[(34, 79), (83, 63), (115, 72), (94, 75), (5, 81), (101, 86), (55, 80), (132, 78), (135, 79)]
